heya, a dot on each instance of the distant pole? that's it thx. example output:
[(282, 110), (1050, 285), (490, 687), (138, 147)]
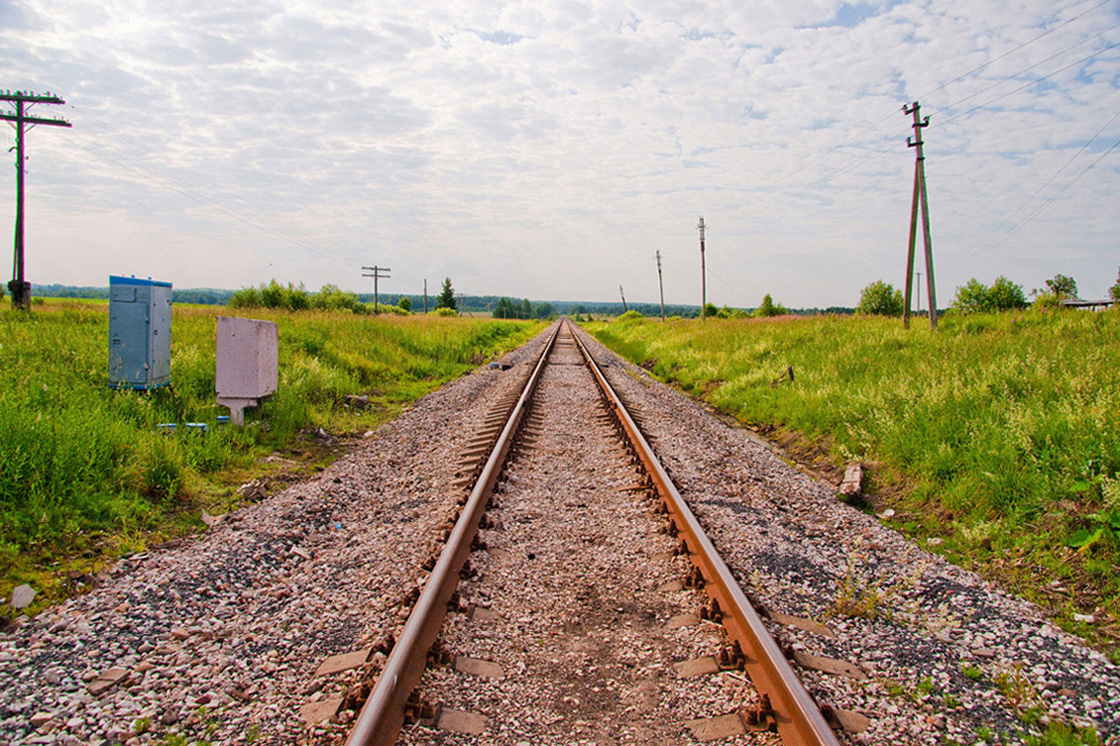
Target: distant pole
[(623, 296), (703, 276), (660, 287), (425, 295), (21, 289), (920, 200), (375, 273)]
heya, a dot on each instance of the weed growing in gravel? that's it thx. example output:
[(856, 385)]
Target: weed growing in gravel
[(1019, 692), (856, 598), (999, 433), (973, 673), (84, 472), (1060, 734)]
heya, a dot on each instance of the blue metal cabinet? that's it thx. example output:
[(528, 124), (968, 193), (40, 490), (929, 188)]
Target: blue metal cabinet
[(139, 333)]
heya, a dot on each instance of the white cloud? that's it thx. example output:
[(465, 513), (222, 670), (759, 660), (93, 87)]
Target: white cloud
[(548, 150)]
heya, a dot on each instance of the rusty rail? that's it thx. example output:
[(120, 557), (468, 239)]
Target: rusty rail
[(382, 716), (792, 708)]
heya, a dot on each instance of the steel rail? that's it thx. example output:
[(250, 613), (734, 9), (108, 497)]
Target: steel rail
[(798, 718), (382, 716)]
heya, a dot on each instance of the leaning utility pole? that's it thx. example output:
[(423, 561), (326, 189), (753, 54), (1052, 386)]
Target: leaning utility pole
[(660, 287), (623, 296), (703, 276), (920, 200), (21, 289), (375, 273)]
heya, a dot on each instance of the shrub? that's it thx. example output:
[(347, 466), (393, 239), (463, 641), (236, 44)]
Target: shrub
[(331, 298), (880, 299), (272, 295), (445, 312), (405, 304), (972, 297)]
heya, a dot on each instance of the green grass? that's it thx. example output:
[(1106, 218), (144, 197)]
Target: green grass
[(999, 433), (84, 473)]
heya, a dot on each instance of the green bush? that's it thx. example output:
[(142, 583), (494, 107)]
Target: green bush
[(880, 299)]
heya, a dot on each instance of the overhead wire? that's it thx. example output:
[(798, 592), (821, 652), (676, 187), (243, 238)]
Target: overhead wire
[(1007, 221)]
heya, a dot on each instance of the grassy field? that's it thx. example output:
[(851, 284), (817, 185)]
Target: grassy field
[(996, 439), (84, 473)]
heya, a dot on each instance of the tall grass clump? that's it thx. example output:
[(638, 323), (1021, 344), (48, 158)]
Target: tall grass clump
[(999, 432), (84, 467)]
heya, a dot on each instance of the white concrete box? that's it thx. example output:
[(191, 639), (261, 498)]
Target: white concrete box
[(247, 363)]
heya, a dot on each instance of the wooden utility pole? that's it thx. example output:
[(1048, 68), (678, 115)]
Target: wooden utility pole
[(623, 296), (425, 295), (921, 201), (20, 287), (660, 287), (375, 273), (703, 276)]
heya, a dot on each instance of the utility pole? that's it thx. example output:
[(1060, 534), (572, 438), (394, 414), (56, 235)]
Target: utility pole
[(21, 289), (920, 200), (623, 296), (660, 287), (425, 295), (375, 273), (703, 276)]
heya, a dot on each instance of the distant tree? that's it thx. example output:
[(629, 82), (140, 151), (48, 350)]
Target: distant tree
[(245, 298), (1005, 295), (405, 304), (526, 309), (1, 292), (711, 311), (769, 308), (332, 298), (446, 297), (1062, 287), (504, 309), (544, 310), (880, 299), (972, 297), (1113, 292)]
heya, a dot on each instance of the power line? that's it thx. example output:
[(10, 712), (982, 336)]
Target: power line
[(1031, 67), (1006, 221), (1011, 51), (1049, 201)]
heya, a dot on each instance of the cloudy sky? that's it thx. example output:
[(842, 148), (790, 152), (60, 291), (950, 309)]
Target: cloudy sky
[(548, 150)]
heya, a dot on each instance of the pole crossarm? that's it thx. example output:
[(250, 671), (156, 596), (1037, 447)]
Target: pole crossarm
[(34, 120), (31, 98), (376, 273)]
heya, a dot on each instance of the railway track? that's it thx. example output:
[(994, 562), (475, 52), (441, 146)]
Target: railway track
[(572, 583)]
